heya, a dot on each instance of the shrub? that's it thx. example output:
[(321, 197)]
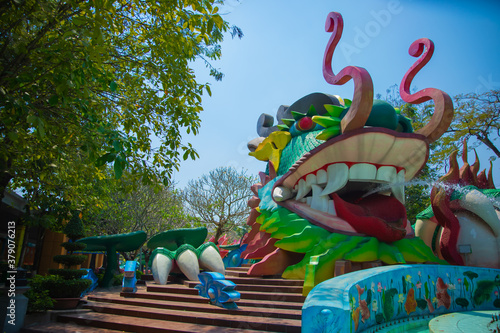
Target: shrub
[(70, 259), (38, 297), (72, 246), (74, 229), (68, 273), (59, 287), (117, 279)]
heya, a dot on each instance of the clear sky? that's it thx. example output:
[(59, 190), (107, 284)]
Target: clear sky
[(279, 60)]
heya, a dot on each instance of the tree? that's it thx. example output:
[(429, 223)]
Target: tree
[(87, 83), (477, 116), (219, 199), (132, 206)]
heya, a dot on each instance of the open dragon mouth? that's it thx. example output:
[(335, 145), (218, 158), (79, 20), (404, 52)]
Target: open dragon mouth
[(354, 184)]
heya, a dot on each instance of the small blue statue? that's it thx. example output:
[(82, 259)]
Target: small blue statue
[(218, 290), (129, 284)]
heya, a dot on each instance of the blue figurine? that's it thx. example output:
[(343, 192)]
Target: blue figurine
[(218, 290), (129, 284), (92, 277)]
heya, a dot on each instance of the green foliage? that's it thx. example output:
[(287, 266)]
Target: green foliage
[(68, 274), (85, 84), (59, 287), (388, 306), (117, 279), (38, 297), (477, 116), (131, 206), (70, 259), (74, 229), (484, 290), (421, 303), (72, 246), (463, 302)]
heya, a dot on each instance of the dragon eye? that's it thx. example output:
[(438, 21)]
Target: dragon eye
[(305, 124)]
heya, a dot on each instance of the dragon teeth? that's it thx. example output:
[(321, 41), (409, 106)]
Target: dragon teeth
[(386, 174), (319, 201), (335, 177), (338, 175), (398, 189), (322, 177), (362, 171), (301, 189), (282, 193)]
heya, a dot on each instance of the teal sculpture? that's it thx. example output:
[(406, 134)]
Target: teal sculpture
[(111, 244), (185, 249), (218, 290)]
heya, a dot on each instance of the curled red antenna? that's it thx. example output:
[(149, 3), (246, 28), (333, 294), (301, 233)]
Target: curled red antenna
[(443, 110), (362, 100)]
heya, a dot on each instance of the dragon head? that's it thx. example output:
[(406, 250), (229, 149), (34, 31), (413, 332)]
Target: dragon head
[(352, 182), (334, 185)]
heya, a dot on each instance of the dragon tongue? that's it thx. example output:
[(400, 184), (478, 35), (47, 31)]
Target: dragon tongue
[(378, 216)]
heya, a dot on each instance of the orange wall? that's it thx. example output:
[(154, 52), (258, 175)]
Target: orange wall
[(51, 247)]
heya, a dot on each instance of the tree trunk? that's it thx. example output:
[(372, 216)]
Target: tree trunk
[(490, 145), (5, 178), (39, 248), (218, 234)]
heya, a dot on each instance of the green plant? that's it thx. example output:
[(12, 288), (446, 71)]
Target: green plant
[(74, 229), (38, 297), (60, 287), (71, 246), (117, 279), (67, 282), (68, 274), (69, 260)]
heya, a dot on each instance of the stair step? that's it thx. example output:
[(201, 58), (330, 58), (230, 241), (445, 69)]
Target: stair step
[(181, 298), (55, 327), (142, 325), (238, 269), (263, 322), (181, 289), (262, 288), (236, 273), (265, 281), (200, 307)]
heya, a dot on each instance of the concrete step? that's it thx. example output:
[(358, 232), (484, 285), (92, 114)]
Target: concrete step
[(263, 322), (199, 307), (238, 269), (272, 296), (142, 325), (254, 287), (55, 327), (272, 304), (265, 281)]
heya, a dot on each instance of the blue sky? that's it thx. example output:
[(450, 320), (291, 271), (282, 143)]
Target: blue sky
[(279, 60)]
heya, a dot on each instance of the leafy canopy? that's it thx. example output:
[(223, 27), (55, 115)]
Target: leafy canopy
[(88, 83)]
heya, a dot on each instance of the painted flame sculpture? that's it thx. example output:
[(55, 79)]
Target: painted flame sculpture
[(462, 225)]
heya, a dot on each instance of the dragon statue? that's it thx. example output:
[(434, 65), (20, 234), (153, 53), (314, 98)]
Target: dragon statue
[(462, 225), (333, 190)]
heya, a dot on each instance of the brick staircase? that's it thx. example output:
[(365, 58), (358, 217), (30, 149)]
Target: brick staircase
[(267, 304)]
